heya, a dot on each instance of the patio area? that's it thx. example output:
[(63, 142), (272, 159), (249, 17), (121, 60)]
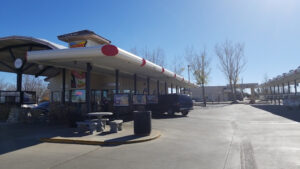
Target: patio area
[(126, 136)]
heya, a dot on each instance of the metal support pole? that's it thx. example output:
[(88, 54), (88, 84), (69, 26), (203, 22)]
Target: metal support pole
[(19, 85), (274, 95), (204, 95), (271, 88), (278, 88), (271, 94), (295, 87), (148, 86), (171, 88), (88, 87), (189, 72), (117, 81), (134, 83), (157, 87), (19, 80), (176, 89), (166, 88), (116, 111), (63, 94)]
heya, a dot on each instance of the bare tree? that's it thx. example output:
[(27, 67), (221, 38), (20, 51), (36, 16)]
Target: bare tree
[(30, 83), (177, 65), (266, 78), (134, 50), (3, 85), (200, 65), (241, 86), (156, 56), (232, 62), (11, 87), (7, 86)]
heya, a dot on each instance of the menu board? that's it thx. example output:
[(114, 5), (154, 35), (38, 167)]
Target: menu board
[(121, 100), (67, 96), (77, 79), (29, 97), (139, 99), (9, 97), (152, 99), (78, 96), (56, 96)]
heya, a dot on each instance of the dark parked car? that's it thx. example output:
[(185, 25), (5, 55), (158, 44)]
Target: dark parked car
[(173, 103), (44, 106)]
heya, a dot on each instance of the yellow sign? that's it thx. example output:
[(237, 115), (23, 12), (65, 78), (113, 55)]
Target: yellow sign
[(77, 44)]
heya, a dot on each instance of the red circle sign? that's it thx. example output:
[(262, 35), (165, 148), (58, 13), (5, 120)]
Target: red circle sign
[(143, 62), (109, 50)]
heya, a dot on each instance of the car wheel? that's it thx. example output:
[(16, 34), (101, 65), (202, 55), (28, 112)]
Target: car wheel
[(185, 113), (170, 112)]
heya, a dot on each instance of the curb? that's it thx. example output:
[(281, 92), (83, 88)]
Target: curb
[(88, 142)]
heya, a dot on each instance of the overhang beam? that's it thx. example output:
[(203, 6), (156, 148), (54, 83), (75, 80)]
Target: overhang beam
[(23, 45), (6, 65), (43, 70)]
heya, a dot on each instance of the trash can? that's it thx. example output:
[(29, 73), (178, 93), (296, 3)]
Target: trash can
[(142, 122)]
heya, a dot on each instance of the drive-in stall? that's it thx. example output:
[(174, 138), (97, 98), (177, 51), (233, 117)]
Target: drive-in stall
[(13, 51), (98, 75)]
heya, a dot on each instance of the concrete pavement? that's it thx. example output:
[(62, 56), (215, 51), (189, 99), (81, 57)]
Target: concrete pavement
[(126, 136), (216, 137)]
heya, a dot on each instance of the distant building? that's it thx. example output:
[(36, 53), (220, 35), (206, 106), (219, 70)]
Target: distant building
[(213, 93), (221, 93)]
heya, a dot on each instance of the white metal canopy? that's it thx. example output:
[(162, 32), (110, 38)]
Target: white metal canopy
[(103, 61), (290, 77), (16, 47)]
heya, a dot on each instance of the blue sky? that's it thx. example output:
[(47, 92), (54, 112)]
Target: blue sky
[(268, 28)]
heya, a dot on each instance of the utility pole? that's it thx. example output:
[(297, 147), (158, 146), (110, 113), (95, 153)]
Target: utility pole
[(189, 72)]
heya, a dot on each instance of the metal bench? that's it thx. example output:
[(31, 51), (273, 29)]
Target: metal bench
[(86, 125), (115, 126)]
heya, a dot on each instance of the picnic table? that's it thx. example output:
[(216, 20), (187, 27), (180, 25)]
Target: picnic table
[(100, 120), (99, 115)]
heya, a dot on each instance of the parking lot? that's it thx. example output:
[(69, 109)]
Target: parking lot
[(216, 137)]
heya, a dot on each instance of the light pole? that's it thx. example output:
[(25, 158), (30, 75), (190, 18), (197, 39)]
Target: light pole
[(189, 72)]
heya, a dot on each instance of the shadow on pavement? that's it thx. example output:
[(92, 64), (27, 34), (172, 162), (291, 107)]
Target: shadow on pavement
[(18, 136), (115, 141), (166, 116), (283, 111), (14, 137)]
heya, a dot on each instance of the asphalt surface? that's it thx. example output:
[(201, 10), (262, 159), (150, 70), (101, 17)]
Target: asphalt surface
[(216, 137)]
